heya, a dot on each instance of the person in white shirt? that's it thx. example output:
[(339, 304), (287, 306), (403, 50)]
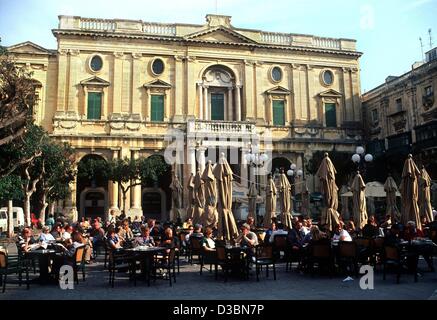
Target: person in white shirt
[(279, 231), (46, 236), (341, 234)]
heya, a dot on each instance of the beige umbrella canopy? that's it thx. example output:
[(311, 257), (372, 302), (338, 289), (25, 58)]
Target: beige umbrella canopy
[(391, 189), (409, 193), (285, 200), (227, 228), (425, 207), (253, 195), (176, 197), (210, 215), (199, 198), (270, 202), (359, 201), (326, 174), (190, 187)]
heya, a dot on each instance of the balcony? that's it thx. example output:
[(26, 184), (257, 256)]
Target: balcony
[(221, 128)]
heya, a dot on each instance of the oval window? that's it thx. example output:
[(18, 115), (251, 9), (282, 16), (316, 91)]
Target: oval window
[(328, 77), (276, 74), (96, 63), (158, 66)]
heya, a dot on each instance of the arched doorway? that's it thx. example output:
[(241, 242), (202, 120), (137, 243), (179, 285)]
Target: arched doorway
[(280, 163), (156, 195), (91, 193)]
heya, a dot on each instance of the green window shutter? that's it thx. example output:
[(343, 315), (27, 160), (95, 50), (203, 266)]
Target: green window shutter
[(157, 109), (278, 113), (217, 106), (94, 105), (330, 115)]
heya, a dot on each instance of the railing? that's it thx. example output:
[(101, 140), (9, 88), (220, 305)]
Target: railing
[(96, 24), (326, 43), (158, 28), (276, 38), (221, 127)]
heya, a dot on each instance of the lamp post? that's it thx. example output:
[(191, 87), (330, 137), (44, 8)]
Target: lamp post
[(255, 161), (360, 158)]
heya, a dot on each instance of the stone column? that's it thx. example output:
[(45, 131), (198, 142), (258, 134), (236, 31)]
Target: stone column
[(192, 159), (238, 103), (230, 105), (206, 103), (136, 190), (200, 92), (147, 107), (201, 158), (113, 188)]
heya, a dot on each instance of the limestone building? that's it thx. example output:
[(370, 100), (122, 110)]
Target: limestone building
[(401, 117), (116, 88)]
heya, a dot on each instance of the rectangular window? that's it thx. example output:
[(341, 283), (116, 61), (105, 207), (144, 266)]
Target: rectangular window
[(157, 108), (330, 115), (217, 106), (428, 91), (398, 105), (278, 113), (375, 118), (94, 105)]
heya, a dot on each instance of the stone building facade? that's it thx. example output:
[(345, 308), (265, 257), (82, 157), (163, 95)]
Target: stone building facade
[(117, 88)]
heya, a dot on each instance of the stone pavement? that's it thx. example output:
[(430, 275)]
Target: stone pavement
[(191, 285)]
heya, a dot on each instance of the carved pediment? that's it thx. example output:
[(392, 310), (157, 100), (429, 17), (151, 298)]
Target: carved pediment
[(158, 84), (278, 90), (330, 94), (30, 48), (95, 81), (219, 34)]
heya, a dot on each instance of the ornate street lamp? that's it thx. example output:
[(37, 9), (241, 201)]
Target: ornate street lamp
[(360, 158)]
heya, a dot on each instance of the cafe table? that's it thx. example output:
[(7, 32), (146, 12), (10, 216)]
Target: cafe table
[(145, 254)]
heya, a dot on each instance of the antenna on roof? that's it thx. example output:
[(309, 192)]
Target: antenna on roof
[(421, 47), (430, 38)]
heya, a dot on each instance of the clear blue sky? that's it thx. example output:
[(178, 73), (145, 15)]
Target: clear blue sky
[(387, 31)]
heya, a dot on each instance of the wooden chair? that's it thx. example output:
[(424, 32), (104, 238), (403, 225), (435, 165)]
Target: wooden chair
[(11, 265), (224, 261), (280, 244), (168, 266), (79, 262), (264, 257), (393, 256), (195, 248), (120, 261), (207, 257), (348, 255), (364, 249), (321, 254)]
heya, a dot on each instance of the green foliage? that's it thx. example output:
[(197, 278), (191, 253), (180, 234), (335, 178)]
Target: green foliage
[(152, 168), (10, 188), (93, 169)]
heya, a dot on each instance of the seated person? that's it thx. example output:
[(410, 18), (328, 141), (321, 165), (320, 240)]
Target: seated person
[(50, 222), (371, 229), (269, 232), (294, 236), (411, 232), (26, 241), (168, 240), (247, 237), (304, 230), (314, 235), (125, 231), (96, 234), (340, 233), (197, 231), (251, 222), (187, 223), (387, 223), (279, 231), (66, 236), (350, 227), (46, 236), (136, 224), (114, 241), (188, 235), (208, 243), (58, 231), (145, 239)]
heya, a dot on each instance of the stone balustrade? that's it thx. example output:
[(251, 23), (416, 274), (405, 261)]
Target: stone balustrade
[(327, 43), (221, 127)]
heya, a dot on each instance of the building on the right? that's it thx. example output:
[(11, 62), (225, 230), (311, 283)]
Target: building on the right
[(401, 117)]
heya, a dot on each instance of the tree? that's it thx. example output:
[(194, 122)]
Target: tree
[(56, 165), (10, 189), (17, 98)]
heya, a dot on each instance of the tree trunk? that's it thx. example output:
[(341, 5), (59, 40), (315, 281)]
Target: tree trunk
[(10, 219), (42, 213), (52, 208), (27, 208)]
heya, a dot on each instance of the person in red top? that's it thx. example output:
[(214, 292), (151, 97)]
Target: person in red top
[(33, 220)]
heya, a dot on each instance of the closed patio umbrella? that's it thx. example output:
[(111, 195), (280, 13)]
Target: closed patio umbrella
[(359, 201), (270, 212), (210, 214), (285, 200), (326, 174), (409, 193), (425, 207), (199, 198), (190, 187), (227, 228), (176, 197), (253, 195), (391, 188)]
